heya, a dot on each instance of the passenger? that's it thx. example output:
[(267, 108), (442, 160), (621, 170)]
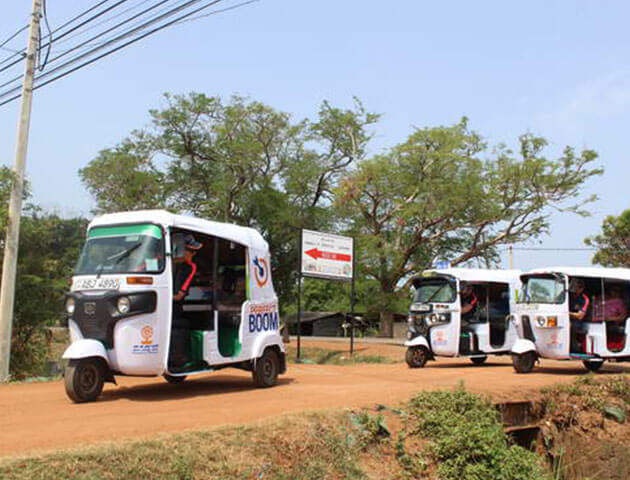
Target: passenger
[(469, 306), (578, 308), (615, 309), (183, 274)]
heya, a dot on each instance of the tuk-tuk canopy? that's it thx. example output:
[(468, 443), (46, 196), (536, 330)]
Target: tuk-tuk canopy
[(246, 236), (584, 272), (474, 275)]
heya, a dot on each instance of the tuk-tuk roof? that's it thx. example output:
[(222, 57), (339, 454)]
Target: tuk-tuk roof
[(476, 274), (586, 272), (246, 236)]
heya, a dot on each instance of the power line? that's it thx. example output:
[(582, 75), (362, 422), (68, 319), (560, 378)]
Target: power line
[(120, 37), (85, 12), (11, 37), (111, 41), (221, 10), (85, 43), (85, 22)]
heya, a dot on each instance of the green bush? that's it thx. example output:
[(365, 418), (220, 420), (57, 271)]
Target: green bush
[(467, 439)]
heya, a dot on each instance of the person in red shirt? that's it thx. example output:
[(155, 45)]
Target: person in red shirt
[(183, 275)]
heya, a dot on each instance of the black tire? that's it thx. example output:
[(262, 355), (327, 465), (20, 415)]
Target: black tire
[(524, 362), (265, 369), (478, 360), (174, 379), (84, 379), (417, 357), (592, 366)]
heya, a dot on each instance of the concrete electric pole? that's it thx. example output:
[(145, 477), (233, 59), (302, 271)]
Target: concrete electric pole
[(9, 265)]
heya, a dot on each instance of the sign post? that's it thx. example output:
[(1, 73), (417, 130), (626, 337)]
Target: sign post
[(327, 256)]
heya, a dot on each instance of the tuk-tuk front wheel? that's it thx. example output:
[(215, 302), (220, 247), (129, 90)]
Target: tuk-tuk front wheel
[(174, 379), (478, 360), (266, 369), (524, 362), (593, 366), (417, 357), (84, 379)]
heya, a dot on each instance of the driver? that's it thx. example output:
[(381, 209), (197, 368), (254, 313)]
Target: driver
[(469, 302), (183, 275)]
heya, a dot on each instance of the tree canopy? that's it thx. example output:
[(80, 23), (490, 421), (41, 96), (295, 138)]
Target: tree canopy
[(443, 193), (613, 243)]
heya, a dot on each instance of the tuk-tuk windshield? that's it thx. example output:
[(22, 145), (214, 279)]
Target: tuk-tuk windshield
[(543, 289), (122, 249), (435, 290)]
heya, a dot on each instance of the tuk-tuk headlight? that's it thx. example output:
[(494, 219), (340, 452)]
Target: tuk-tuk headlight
[(70, 305), (123, 305), (433, 318), (541, 321)]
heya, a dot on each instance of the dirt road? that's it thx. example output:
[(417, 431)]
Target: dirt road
[(38, 416)]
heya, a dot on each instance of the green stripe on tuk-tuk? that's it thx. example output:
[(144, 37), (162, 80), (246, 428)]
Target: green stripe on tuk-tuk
[(149, 230)]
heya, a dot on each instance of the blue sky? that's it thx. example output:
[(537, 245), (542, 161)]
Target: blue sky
[(559, 69)]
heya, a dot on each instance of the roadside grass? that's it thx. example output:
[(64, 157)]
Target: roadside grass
[(324, 356), (437, 435), (297, 447)]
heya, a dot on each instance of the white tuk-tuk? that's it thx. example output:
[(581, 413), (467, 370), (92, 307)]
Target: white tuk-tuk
[(120, 307), (438, 327), (568, 313)]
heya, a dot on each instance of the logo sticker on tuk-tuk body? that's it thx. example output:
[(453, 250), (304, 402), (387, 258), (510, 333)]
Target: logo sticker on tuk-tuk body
[(262, 317), (554, 342), (146, 343), (439, 338), (261, 271)]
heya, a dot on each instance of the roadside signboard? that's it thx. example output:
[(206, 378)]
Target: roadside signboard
[(326, 255)]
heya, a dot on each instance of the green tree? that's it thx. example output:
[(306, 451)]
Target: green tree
[(443, 194), (49, 248), (613, 243), (238, 161)]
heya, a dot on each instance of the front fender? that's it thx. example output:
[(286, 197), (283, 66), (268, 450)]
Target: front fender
[(85, 348), (523, 345), (419, 341)]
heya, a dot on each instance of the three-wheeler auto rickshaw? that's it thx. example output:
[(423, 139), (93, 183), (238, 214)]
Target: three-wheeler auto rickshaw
[(120, 307), (568, 313), (439, 325)]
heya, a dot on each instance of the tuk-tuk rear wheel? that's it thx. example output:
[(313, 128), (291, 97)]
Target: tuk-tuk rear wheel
[(417, 357), (84, 378), (266, 369), (593, 366), (524, 362)]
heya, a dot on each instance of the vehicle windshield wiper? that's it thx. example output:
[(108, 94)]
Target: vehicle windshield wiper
[(118, 256)]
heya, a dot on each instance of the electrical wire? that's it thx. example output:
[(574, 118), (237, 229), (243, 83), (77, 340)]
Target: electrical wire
[(13, 36), (175, 21), (85, 12), (102, 12), (42, 65), (78, 47), (221, 10), (102, 22)]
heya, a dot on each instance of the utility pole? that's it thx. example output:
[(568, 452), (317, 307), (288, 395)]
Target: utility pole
[(9, 264), (511, 256)]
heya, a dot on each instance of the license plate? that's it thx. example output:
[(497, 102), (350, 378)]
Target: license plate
[(96, 284), (420, 307)]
